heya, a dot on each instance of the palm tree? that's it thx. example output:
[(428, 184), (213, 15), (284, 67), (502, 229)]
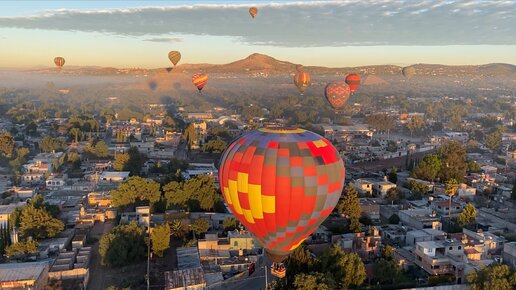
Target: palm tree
[(450, 190), (177, 228)]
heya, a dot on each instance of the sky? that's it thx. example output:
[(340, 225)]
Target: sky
[(329, 33)]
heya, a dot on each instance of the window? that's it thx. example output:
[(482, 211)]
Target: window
[(460, 247), (450, 248), (235, 243)]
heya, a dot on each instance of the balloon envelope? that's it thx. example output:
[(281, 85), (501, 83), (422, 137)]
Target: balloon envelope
[(353, 81), (337, 94), (302, 81), (174, 56), (253, 11), (199, 80), (59, 61), (281, 184), (168, 69)]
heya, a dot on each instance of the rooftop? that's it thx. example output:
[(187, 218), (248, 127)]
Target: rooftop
[(21, 271), (184, 278), (188, 258)]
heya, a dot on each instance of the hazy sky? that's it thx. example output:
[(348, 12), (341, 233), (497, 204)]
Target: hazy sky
[(330, 33)]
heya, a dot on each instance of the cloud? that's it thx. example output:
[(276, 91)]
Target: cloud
[(301, 24), (164, 39)]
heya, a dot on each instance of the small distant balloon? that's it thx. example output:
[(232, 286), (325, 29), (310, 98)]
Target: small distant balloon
[(302, 81), (59, 61), (253, 11), (174, 56), (353, 81), (169, 69), (199, 80), (153, 85), (409, 71), (337, 94)]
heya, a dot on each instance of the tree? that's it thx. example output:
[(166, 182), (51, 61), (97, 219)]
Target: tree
[(394, 219), (101, 149), (190, 134), (450, 190), (428, 169), (387, 271), (195, 194), (177, 229), (123, 245), (160, 239), (347, 269), (392, 146), (494, 139), (76, 133), (6, 144), (22, 248), (49, 144), (120, 162), (200, 226), (136, 189), (394, 195), (415, 124), (453, 160), (468, 215), (215, 145), (349, 205), (230, 224), (354, 225), (135, 163), (38, 223), (418, 188), (473, 167), (393, 175), (494, 276), (312, 281)]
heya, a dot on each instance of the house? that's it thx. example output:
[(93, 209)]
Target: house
[(242, 241), (102, 199), (381, 187), (24, 275), (143, 147), (24, 193), (188, 279), (423, 235), (394, 235), (7, 210), (362, 186), (441, 257), (56, 182), (370, 207), (141, 216), (465, 191), (442, 207), (114, 177), (420, 219), (509, 254), (33, 179)]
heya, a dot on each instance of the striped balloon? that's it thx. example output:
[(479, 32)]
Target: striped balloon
[(281, 184), (353, 81), (253, 11), (59, 61), (199, 80), (337, 94), (302, 81), (174, 56)]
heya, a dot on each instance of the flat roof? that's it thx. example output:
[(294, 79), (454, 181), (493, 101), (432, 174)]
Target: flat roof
[(112, 174), (188, 258), (429, 244), (21, 271)]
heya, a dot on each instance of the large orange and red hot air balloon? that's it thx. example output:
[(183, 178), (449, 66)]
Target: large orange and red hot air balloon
[(59, 61), (199, 80), (281, 184), (253, 11), (302, 81), (337, 94), (353, 81)]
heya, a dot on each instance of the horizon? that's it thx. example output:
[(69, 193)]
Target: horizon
[(332, 34)]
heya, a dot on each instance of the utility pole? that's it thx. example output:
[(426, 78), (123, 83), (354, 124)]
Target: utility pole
[(266, 269)]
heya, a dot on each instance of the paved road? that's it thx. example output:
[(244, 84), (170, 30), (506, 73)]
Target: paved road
[(254, 282), (97, 272)]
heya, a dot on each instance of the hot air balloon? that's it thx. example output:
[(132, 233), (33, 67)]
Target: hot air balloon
[(199, 80), (337, 94), (281, 184), (253, 11), (59, 61), (353, 81), (168, 69), (174, 56), (409, 71), (300, 68), (302, 81)]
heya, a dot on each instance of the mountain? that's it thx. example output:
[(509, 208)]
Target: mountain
[(264, 65)]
